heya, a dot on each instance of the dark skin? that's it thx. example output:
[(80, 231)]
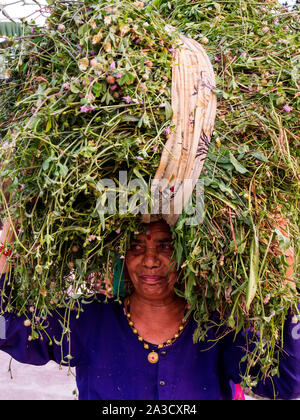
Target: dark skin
[(156, 310)]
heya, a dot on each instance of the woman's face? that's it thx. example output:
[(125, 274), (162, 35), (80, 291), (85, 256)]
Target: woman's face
[(149, 263)]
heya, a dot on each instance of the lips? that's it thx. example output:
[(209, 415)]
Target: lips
[(152, 279)]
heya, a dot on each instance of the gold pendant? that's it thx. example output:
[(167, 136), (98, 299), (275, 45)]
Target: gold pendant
[(153, 357)]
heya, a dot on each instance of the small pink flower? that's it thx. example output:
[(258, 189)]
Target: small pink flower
[(154, 148), (86, 108), (90, 97), (139, 158), (112, 65), (92, 238), (113, 87), (167, 131), (118, 75), (148, 63), (117, 231), (66, 86), (93, 62), (127, 99), (287, 108)]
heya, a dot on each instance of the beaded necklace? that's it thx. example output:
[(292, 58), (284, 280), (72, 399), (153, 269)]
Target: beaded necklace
[(153, 355)]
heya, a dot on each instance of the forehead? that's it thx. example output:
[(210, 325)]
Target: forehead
[(155, 230)]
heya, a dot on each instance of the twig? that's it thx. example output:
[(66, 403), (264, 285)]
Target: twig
[(232, 230)]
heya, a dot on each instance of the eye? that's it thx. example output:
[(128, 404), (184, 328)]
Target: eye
[(136, 247), (166, 247)]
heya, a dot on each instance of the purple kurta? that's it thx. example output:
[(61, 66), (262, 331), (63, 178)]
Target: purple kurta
[(111, 364)]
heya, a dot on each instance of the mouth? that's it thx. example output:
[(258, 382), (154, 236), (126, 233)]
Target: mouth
[(152, 279)]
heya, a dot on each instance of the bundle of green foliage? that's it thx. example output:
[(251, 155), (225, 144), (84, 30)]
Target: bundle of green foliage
[(89, 96)]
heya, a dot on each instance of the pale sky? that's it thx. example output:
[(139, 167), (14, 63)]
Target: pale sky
[(16, 9)]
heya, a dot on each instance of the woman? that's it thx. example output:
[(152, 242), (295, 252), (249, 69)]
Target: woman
[(143, 349)]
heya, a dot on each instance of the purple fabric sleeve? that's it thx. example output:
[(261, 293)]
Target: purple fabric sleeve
[(284, 386), (15, 337), (287, 384)]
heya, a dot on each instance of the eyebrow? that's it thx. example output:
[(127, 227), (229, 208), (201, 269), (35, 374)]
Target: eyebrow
[(161, 240)]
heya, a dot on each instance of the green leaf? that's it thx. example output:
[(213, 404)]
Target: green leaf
[(48, 126), (259, 156), (83, 29), (137, 173), (218, 158), (63, 169), (87, 151), (122, 80), (253, 274), (76, 296), (218, 7), (127, 78), (268, 318), (97, 89), (74, 88), (129, 118), (284, 241), (238, 167), (45, 164), (225, 188), (78, 265), (48, 239), (168, 110), (34, 335)]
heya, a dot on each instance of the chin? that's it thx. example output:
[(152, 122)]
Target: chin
[(155, 292)]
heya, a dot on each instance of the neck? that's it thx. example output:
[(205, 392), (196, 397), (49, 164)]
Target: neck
[(157, 313), (156, 321)]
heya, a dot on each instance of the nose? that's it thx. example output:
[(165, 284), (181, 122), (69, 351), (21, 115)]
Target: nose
[(150, 258)]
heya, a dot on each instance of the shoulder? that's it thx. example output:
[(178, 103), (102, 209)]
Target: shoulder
[(99, 305)]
